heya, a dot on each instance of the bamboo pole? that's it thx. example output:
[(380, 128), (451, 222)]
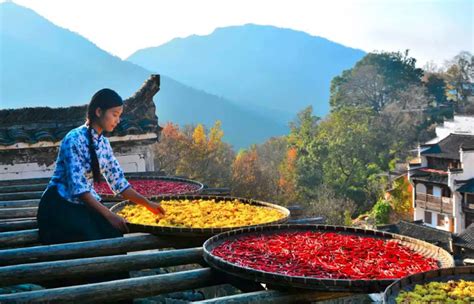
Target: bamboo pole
[(309, 220), (119, 289), (16, 219), (19, 238), (276, 297), (66, 251), (23, 188), (86, 267), (19, 203), (30, 181), (11, 213), (27, 212), (18, 225), (20, 195)]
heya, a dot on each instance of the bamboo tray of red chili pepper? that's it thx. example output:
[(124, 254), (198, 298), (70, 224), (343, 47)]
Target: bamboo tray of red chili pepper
[(202, 233), (154, 185), (322, 257), (439, 275)]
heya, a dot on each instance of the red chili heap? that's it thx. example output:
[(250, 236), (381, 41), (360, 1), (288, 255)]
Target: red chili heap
[(151, 187), (324, 255)]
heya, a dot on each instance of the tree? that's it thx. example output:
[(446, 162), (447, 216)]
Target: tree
[(403, 123), (199, 136), (381, 212), (348, 154), (308, 166), (365, 87), (335, 209), (397, 69), (374, 81), (271, 155), (303, 129), (221, 157), (171, 149), (460, 79), (194, 154), (287, 181), (247, 177), (436, 86), (400, 199)]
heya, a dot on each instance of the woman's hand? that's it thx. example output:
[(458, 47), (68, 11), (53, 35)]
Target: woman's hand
[(139, 199), (118, 222), (155, 208)]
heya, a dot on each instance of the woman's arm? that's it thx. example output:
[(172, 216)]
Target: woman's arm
[(132, 195), (117, 221)]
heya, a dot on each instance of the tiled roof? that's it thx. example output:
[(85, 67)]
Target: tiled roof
[(449, 146), (466, 238), (31, 125), (422, 232), (432, 176), (468, 187)]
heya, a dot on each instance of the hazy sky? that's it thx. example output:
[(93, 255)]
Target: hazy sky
[(432, 29)]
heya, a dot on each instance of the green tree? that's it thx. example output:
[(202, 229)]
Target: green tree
[(460, 78), (436, 86), (348, 154), (375, 81), (308, 166), (381, 212)]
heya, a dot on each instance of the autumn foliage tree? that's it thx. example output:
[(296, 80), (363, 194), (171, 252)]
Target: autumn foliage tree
[(194, 153), (287, 181), (246, 174)]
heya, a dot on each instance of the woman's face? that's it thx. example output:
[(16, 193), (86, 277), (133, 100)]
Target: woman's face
[(110, 118)]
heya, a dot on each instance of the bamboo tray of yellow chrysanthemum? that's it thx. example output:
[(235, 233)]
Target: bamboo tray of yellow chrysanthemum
[(200, 215)]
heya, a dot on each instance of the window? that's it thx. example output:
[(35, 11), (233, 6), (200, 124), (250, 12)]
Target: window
[(470, 199), (429, 189), (446, 192), (441, 221), (428, 217)]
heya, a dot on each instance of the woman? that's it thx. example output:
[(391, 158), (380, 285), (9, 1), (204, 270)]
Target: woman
[(70, 209)]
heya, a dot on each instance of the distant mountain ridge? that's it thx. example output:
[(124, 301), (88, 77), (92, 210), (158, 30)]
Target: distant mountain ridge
[(42, 64), (275, 68)]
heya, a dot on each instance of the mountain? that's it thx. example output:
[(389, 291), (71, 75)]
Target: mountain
[(42, 64), (271, 67)]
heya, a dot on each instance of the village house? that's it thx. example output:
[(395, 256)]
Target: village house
[(443, 177), (30, 137)]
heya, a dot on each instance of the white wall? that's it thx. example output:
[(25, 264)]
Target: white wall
[(26, 170), (420, 188), (137, 158), (129, 163), (459, 124), (467, 162), (132, 163), (420, 215)]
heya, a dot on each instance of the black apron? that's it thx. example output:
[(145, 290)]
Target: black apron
[(60, 221)]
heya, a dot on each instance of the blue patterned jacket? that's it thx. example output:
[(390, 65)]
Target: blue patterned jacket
[(73, 173)]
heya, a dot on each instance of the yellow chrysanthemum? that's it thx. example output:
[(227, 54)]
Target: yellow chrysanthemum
[(202, 214)]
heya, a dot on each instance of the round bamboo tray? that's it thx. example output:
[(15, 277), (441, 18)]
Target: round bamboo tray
[(199, 186), (197, 232), (439, 275), (324, 284)]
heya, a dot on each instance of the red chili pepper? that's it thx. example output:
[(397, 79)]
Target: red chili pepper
[(151, 187), (324, 255)]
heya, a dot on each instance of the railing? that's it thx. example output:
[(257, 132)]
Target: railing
[(434, 203)]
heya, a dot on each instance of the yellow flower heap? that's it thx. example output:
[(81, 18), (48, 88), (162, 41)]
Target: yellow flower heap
[(202, 213)]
